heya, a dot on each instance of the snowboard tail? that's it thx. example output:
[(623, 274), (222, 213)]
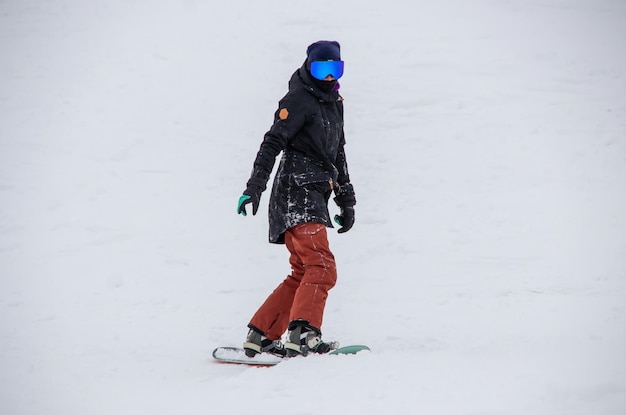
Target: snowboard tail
[(237, 355)]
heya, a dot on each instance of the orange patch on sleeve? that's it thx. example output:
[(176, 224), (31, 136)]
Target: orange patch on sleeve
[(283, 114)]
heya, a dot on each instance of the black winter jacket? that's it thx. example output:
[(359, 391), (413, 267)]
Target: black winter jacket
[(308, 129)]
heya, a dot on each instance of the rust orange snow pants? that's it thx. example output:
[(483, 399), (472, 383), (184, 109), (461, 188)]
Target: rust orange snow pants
[(302, 295)]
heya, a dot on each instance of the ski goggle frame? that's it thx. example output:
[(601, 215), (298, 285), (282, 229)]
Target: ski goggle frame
[(321, 69)]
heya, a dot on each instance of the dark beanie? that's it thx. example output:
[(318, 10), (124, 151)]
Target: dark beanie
[(323, 50)]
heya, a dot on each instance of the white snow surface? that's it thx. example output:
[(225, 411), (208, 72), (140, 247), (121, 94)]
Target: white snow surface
[(487, 147)]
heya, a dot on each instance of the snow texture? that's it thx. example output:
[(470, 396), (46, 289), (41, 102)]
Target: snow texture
[(487, 266)]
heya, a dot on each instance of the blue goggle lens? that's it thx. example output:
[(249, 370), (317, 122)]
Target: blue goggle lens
[(321, 69)]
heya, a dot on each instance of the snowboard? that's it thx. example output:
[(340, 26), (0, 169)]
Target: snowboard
[(236, 355)]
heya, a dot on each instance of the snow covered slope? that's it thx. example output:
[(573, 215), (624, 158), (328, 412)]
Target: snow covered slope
[(487, 146)]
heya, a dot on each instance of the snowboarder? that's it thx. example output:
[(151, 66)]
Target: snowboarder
[(308, 129)]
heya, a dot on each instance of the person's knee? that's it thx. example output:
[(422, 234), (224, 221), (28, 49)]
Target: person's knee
[(292, 281)]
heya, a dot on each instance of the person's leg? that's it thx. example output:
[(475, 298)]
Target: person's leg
[(272, 317), (310, 244)]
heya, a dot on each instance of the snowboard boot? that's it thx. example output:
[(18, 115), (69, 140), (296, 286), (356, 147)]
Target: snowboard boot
[(256, 343), (303, 339)]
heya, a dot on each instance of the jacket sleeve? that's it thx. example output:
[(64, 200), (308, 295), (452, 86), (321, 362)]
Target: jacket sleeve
[(288, 120), (342, 166), (345, 196)]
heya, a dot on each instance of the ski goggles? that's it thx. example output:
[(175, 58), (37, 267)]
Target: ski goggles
[(321, 69)]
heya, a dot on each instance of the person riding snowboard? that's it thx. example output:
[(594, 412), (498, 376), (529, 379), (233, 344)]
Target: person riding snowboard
[(308, 129)]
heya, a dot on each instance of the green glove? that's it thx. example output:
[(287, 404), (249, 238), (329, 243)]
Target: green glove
[(250, 195)]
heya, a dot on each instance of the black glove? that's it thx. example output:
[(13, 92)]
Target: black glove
[(345, 220), (344, 196), (251, 195), (346, 200)]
